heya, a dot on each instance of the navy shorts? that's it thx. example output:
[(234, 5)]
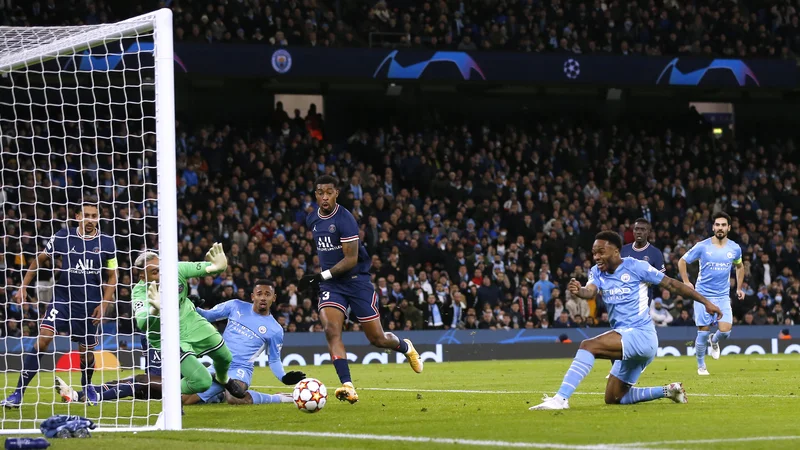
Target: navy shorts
[(361, 299), (153, 358), (59, 319)]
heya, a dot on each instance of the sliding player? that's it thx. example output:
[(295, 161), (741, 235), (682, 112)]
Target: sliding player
[(251, 329), (633, 341)]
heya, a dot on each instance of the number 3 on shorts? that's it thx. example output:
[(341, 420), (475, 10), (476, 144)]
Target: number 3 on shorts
[(325, 296)]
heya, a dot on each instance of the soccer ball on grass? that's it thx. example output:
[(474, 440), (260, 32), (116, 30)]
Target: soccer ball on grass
[(310, 395)]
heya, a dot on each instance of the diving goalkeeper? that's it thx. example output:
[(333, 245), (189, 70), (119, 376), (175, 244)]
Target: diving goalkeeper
[(198, 337)]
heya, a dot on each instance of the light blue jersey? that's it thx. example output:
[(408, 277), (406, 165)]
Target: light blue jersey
[(714, 278), (625, 292), (247, 335)]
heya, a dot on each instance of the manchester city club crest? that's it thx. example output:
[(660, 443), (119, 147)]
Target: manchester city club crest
[(262, 329), (729, 255), (281, 61), (625, 277), (332, 228)]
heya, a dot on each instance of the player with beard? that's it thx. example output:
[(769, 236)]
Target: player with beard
[(716, 254)]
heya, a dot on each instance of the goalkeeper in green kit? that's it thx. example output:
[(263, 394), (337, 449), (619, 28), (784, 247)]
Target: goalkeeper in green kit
[(198, 337)]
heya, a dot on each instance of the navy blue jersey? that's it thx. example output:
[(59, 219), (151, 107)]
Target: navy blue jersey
[(83, 259), (330, 232), (648, 254)]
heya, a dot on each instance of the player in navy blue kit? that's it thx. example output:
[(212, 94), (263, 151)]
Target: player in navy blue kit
[(345, 282), (145, 386), (633, 341), (81, 297), (251, 329)]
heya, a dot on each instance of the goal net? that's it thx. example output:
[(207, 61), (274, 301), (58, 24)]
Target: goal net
[(87, 135)]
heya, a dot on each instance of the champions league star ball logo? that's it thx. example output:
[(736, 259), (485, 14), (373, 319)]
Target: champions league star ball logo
[(625, 277), (281, 61), (572, 69)]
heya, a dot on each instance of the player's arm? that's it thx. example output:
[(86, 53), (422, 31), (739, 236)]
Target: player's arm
[(276, 363), (350, 250), (588, 292), (218, 312), (676, 287), (689, 257), (215, 262), (739, 276), (141, 309), (28, 279)]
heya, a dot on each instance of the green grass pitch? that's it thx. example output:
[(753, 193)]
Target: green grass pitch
[(748, 402)]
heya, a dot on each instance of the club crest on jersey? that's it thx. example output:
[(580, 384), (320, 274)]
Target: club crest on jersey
[(647, 258), (625, 277), (729, 255), (332, 228), (262, 329), (181, 288), (96, 250)]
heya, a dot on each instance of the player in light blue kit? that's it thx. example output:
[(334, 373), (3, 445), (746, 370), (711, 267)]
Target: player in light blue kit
[(716, 254), (251, 329), (633, 342)]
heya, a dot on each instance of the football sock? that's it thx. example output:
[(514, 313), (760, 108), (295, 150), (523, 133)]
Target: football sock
[(700, 347), (638, 395), (581, 366), (106, 392), (30, 367), (342, 369), (402, 347), (720, 336), (87, 369), (261, 399)]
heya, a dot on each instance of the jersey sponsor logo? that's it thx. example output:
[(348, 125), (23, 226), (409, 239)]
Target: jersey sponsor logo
[(717, 266), (262, 329), (332, 228), (625, 277), (84, 266), (324, 244), (616, 294)]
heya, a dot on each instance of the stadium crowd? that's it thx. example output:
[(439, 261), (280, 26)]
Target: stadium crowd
[(733, 29), (475, 227)]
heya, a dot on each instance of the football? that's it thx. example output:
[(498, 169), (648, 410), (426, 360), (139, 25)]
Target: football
[(310, 395)]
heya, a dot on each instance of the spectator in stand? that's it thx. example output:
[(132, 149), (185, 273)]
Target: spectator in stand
[(660, 315)]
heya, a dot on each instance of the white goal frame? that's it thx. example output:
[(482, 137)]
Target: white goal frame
[(77, 40)]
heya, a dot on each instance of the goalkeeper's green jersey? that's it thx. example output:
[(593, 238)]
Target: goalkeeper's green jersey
[(193, 327)]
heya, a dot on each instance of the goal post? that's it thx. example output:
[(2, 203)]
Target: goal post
[(87, 113)]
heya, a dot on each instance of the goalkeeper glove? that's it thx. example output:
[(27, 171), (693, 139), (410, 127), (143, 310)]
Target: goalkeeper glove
[(197, 301), (293, 377), (154, 298), (216, 256)]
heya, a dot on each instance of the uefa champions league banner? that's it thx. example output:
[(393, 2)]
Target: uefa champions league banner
[(363, 65)]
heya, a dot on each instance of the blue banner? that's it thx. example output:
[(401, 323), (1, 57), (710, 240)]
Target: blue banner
[(361, 65)]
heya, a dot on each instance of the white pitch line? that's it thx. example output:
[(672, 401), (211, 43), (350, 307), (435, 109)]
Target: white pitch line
[(711, 441), (421, 440), (470, 391)]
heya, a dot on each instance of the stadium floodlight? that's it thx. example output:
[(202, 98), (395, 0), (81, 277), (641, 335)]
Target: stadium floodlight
[(88, 112)]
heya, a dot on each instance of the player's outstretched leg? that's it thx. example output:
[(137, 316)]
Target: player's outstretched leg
[(259, 398), (377, 337), (700, 346), (196, 378), (30, 367), (110, 391), (332, 319)]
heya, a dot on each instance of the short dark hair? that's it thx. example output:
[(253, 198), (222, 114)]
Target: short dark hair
[(327, 179), (642, 220), (264, 282), (88, 204), (721, 215), (610, 236)]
